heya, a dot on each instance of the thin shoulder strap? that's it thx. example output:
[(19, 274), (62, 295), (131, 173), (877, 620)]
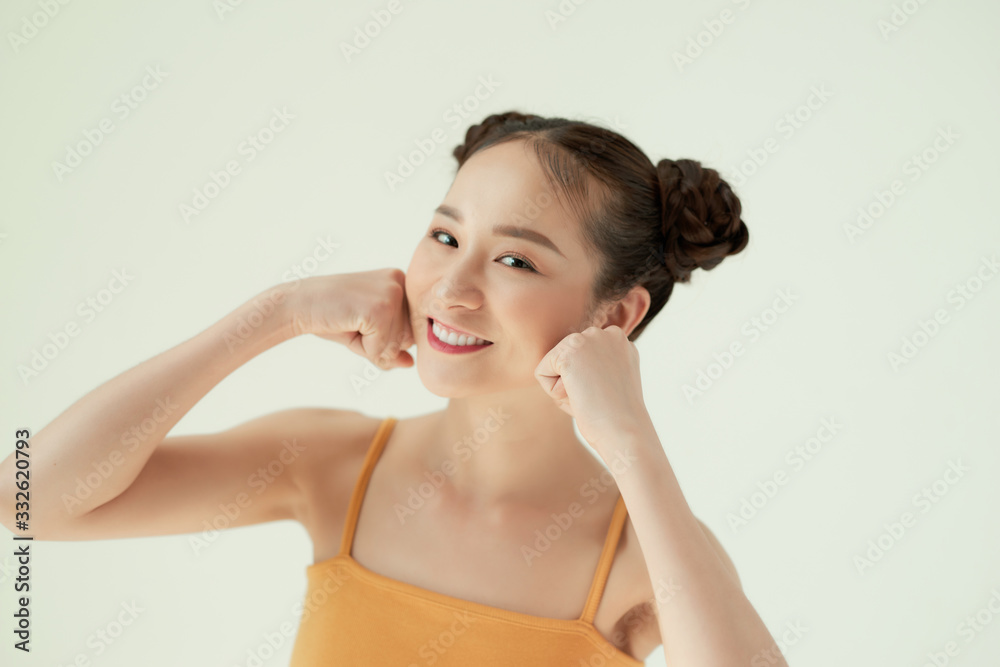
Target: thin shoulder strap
[(354, 509), (604, 564)]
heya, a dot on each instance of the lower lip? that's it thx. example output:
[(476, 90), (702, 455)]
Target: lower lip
[(439, 344)]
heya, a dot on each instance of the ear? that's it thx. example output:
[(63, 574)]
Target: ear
[(627, 312)]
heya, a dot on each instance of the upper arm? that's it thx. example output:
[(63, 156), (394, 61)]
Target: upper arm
[(245, 475)]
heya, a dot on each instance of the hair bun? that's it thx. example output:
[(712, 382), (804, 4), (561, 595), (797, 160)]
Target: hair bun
[(700, 218)]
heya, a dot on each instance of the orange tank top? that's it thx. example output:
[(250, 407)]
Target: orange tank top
[(354, 616)]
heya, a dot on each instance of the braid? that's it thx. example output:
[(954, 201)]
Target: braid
[(700, 218)]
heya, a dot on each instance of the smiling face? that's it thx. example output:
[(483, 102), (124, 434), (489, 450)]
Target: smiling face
[(501, 259)]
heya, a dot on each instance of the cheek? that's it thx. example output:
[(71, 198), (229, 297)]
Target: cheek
[(544, 322), (417, 276)]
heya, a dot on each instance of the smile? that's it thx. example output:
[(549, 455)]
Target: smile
[(446, 340)]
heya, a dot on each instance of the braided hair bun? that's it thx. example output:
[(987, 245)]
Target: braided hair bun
[(700, 218)]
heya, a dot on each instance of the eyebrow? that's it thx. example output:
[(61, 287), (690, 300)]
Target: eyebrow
[(505, 230)]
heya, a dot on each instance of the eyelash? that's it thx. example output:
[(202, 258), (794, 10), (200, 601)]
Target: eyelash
[(515, 255)]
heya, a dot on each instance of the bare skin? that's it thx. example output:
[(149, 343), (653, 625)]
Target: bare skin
[(480, 547)]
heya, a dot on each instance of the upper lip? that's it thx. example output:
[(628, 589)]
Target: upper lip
[(456, 329)]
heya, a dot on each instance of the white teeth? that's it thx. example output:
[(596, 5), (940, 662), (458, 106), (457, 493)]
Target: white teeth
[(453, 338)]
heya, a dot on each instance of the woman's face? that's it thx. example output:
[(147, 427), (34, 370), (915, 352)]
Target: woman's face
[(506, 287)]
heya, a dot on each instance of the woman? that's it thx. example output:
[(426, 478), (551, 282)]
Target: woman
[(489, 535)]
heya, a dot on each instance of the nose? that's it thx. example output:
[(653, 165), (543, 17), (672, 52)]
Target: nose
[(448, 294), (455, 288)]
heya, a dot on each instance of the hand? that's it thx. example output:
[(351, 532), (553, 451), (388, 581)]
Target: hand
[(593, 376), (367, 312)]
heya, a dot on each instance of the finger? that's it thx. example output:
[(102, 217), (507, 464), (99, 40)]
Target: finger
[(401, 332), (558, 390), (546, 374), (401, 338), (405, 333), (372, 343), (393, 354)]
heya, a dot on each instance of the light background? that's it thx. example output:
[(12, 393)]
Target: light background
[(826, 357)]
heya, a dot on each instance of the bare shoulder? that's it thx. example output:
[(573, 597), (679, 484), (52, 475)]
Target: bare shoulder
[(330, 434), (314, 438)]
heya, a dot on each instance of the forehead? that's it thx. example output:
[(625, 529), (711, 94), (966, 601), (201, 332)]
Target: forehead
[(505, 183)]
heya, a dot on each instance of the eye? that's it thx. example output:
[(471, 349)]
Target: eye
[(521, 258)]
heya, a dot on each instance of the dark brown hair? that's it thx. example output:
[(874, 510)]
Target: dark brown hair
[(644, 224)]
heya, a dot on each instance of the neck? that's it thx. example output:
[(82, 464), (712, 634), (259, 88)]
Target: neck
[(508, 449)]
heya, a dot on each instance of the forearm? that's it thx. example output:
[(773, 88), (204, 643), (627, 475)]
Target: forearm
[(110, 433), (709, 621)]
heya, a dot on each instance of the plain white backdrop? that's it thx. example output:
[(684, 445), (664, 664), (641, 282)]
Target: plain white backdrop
[(861, 138)]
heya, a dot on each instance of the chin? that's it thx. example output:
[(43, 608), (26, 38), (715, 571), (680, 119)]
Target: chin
[(436, 382)]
